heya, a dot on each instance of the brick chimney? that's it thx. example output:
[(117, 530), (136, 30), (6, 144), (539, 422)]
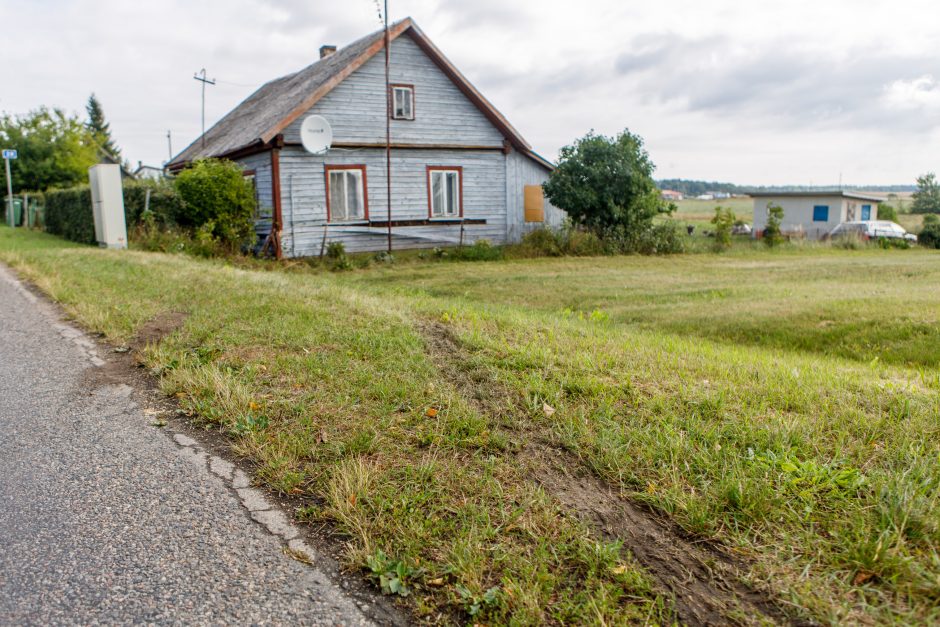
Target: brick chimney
[(326, 51)]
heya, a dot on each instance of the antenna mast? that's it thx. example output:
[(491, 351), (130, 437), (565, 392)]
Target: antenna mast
[(201, 77)]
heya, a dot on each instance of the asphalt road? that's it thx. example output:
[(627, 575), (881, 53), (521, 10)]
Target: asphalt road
[(105, 520)]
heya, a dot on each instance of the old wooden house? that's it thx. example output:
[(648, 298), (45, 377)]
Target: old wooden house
[(460, 171)]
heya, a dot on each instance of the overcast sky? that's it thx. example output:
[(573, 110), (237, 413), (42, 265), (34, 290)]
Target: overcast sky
[(769, 92)]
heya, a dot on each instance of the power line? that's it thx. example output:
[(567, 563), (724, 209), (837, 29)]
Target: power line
[(201, 77)]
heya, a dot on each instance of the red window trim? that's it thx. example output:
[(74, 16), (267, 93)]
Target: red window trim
[(445, 168), (365, 189), (248, 172), (391, 101)]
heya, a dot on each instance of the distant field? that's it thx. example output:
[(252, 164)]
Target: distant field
[(617, 440), (698, 211)]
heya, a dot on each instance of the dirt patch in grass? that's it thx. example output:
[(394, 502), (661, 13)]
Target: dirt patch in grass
[(704, 581), (157, 328)]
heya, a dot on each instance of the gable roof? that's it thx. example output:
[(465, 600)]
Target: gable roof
[(839, 193), (259, 119)]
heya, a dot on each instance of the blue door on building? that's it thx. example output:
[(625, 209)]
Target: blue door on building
[(866, 212)]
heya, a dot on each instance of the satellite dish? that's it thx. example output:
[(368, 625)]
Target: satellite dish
[(316, 134)]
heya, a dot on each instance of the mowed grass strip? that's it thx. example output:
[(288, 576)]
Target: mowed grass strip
[(818, 466), (329, 390), (861, 305)]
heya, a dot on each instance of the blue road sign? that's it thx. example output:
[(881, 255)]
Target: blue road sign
[(9, 154)]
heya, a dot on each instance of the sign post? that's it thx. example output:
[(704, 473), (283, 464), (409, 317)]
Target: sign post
[(8, 155)]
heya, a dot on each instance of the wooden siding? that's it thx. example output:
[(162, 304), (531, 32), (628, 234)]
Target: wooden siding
[(261, 164), (356, 108), (522, 171), (303, 187)]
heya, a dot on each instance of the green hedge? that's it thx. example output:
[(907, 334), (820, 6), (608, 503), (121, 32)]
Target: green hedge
[(69, 212)]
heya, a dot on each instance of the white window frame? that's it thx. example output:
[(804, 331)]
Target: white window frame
[(408, 113), (356, 174), (435, 209)]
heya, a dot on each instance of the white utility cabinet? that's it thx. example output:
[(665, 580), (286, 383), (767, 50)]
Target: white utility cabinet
[(107, 199)]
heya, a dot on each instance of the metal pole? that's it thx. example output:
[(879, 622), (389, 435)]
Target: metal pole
[(169, 145), (9, 195), (201, 77), (388, 132)]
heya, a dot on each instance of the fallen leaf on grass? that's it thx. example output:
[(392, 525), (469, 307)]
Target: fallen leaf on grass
[(122, 349), (439, 581), (352, 500), (862, 577), (619, 570), (431, 412), (548, 410)]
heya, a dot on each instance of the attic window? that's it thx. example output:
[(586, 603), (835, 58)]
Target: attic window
[(403, 102)]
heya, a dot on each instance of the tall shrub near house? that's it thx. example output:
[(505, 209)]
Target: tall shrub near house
[(773, 234), (219, 201), (606, 185), (724, 223)]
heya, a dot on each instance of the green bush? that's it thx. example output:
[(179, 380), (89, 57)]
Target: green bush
[(335, 250), (166, 204), (481, 250), (724, 222), (218, 200), (581, 243), (773, 234), (664, 238), (541, 243), (69, 214), (930, 234)]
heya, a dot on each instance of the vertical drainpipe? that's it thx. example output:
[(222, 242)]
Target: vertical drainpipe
[(277, 222)]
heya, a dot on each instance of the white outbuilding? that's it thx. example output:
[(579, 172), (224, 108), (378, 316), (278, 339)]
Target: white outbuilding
[(814, 214)]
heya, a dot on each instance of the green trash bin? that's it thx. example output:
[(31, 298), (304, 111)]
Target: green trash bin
[(17, 212), (34, 215)]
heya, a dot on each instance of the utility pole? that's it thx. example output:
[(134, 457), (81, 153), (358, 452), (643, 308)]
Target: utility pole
[(201, 77), (169, 145), (388, 131), (9, 155)]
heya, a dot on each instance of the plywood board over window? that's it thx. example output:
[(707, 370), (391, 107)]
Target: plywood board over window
[(534, 203)]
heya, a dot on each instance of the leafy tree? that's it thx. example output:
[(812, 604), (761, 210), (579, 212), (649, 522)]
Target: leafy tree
[(606, 183), (219, 201), (927, 196), (100, 127), (55, 150), (724, 221), (773, 234)]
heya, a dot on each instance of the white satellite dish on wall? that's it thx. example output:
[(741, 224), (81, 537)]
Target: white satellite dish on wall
[(316, 134)]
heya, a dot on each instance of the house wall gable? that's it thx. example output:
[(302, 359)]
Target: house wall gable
[(356, 108)]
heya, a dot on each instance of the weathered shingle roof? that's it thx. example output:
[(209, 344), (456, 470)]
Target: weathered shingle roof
[(266, 112)]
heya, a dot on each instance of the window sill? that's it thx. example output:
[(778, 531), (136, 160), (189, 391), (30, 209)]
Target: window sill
[(446, 219), (362, 222)]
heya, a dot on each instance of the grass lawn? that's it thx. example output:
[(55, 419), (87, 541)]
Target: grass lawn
[(781, 405)]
